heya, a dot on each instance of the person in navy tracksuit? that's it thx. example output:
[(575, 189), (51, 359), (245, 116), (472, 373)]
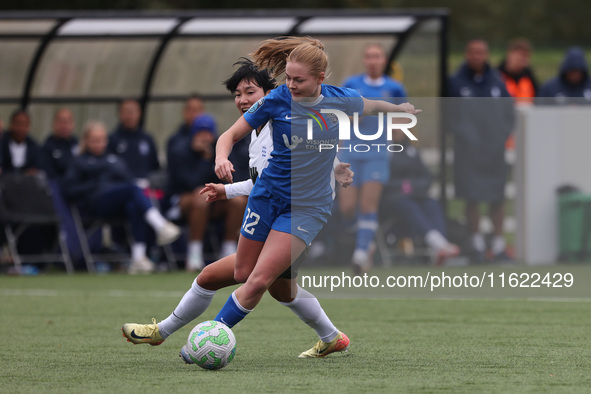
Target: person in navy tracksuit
[(132, 143), (60, 147), (190, 167), (480, 122), (192, 108), (406, 198), (102, 184)]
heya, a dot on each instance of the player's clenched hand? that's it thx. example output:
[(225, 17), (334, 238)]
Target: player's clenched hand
[(224, 170), (343, 175), (214, 192)]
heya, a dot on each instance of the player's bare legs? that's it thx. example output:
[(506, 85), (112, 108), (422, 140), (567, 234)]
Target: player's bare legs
[(218, 275), (196, 211), (195, 301), (234, 211), (279, 251)]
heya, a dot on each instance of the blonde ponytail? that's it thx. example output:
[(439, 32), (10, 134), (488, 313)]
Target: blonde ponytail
[(273, 54)]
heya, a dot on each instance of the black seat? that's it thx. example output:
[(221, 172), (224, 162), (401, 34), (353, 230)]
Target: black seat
[(25, 201), (158, 182), (87, 226)]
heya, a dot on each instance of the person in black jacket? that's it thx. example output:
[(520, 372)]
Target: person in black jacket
[(133, 144), (480, 119), (18, 150), (102, 184), (193, 107), (406, 197), (572, 84), (190, 167), (59, 149)]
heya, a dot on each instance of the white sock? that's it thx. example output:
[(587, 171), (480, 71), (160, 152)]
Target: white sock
[(228, 248), (308, 309), (360, 257), (155, 219), (478, 242), (138, 251), (194, 303), (436, 240), (195, 248), (498, 244)]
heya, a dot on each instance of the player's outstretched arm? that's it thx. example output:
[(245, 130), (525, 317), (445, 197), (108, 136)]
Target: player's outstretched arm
[(223, 166), (214, 192), (373, 107)]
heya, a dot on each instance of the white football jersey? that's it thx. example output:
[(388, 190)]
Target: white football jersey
[(259, 152)]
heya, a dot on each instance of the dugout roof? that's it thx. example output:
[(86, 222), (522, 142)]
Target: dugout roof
[(89, 61)]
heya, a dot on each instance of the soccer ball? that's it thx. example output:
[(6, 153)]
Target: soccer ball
[(211, 345)]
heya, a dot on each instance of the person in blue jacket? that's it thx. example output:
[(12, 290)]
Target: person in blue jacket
[(60, 147), (133, 144), (190, 167), (480, 123), (572, 84), (359, 203), (101, 183), (18, 150)]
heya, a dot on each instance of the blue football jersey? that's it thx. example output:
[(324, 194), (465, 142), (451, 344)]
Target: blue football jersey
[(385, 88), (299, 172)]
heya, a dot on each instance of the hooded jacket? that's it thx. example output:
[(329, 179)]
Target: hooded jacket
[(559, 91)]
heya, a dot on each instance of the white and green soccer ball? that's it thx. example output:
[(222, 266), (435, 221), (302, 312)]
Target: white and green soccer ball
[(211, 345)]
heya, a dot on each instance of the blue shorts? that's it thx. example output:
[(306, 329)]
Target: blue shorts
[(264, 212), (369, 170)]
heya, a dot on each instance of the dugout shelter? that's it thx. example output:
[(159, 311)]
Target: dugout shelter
[(89, 61)]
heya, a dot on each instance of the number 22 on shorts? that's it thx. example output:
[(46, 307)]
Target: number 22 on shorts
[(247, 226)]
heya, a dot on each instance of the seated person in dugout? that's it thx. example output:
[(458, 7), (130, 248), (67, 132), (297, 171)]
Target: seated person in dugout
[(406, 198), (190, 167), (101, 184)]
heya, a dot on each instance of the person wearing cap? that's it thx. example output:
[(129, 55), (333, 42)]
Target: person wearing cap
[(572, 84), (190, 167)]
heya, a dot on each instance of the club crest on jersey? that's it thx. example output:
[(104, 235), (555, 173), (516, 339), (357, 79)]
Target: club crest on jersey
[(333, 118), (256, 106)]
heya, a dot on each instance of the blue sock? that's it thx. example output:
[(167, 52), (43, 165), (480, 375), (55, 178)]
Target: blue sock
[(367, 224), (232, 312)]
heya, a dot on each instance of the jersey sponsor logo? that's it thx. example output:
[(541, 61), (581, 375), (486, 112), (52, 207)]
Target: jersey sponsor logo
[(301, 229), (295, 141), (256, 106)]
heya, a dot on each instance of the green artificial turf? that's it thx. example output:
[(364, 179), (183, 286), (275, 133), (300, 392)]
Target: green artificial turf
[(61, 334)]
